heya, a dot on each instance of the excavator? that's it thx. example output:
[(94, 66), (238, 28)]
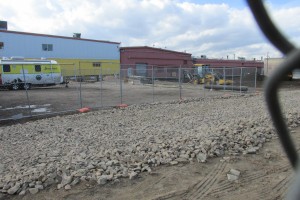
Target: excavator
[(202, 74)]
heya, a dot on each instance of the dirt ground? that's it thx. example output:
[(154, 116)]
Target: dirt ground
[(57, 99), (266, 175)]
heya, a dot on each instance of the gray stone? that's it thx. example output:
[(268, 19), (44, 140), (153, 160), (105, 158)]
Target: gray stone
[(182, 160), (133, 175), (38, 183), (66, 180), (235, 172), (31, 185), (59, 186), (232, 177), (2, 168), (173, 162), (146, 168), (40, 187), (33, 190), (201, 157), (14, 189), (75, 181), (3, 191), (67, 187), (23, 192), (109, 163), (80, 172), (251, 150), (6, 187), (102, 180), (184, 156)]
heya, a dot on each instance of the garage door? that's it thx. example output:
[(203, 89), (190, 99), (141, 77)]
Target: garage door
[(141, 69)]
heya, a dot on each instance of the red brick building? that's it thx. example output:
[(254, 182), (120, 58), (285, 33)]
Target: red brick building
[(142, 59), (216, 63)]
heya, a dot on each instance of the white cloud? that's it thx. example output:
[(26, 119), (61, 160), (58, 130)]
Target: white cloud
[(216, 30)]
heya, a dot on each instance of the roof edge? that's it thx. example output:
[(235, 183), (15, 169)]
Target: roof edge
[(56, 36), (136, 47)]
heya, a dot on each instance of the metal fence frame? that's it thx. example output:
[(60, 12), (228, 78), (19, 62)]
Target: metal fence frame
[(169, 76)]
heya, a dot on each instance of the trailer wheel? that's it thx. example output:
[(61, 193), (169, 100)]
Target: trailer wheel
[(27, 86), (15, 86)]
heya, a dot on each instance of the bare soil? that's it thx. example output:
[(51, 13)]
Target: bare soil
[(59, 99), (265, 175)]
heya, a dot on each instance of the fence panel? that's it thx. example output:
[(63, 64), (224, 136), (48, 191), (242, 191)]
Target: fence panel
[(166, 85), (54, 98), (16, 104), (137, 87), (133, 84)]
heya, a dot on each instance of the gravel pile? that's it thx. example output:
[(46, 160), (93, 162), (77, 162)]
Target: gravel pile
[(104, 146)]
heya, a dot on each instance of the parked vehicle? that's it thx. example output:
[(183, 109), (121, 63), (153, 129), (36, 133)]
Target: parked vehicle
[(203, 74), (18, 73)]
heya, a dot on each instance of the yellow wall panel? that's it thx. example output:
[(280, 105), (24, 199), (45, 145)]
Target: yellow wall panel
[(80, 67)]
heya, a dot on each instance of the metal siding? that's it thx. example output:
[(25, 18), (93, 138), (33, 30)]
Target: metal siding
[(30, 46)]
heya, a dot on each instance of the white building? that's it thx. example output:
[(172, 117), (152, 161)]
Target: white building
[(86, 54)]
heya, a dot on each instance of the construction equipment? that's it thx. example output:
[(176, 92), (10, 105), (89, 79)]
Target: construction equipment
[(202, 74)]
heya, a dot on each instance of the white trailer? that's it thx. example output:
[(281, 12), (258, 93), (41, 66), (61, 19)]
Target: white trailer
[(22, 74)]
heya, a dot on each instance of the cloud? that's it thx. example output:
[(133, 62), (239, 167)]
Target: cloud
[(212, 29)]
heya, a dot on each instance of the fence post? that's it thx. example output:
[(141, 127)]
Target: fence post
[(80, 94), (152, 84), (224, 76), (121, 89), (75, 73), (241, 80), (179, 81), (101, 80), (232, 79), (27, 96), (255, 79)]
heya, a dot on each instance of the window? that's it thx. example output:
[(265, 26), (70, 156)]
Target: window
[(184, 62), (37, 68), (6, 68), (47, 47), (1, 45), (96, 64)]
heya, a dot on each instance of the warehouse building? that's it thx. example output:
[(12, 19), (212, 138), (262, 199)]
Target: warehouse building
[(140, 60), (229, 63), (77, 56)]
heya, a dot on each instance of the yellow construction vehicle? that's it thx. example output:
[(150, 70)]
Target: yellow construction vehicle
[(202, 74)]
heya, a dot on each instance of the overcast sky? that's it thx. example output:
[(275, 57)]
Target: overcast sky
[(214, 28)]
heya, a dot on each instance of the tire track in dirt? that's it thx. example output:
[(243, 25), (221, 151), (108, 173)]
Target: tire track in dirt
[(225, 188), (200, 189), (278, 191)]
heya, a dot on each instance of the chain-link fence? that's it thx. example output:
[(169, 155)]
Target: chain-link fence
[(130, 84)]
